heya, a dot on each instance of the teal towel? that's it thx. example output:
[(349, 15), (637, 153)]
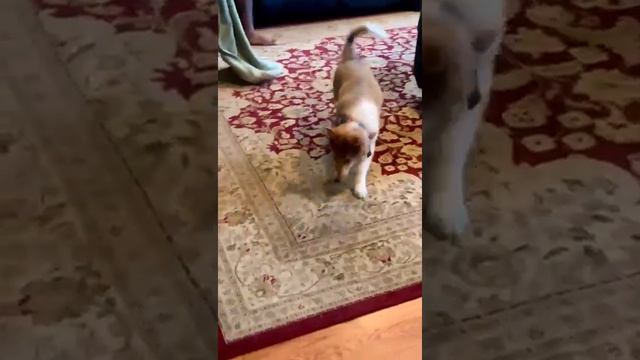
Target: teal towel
[(236, 51)]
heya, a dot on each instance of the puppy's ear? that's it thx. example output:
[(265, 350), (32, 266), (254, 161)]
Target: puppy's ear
[(483, 40)]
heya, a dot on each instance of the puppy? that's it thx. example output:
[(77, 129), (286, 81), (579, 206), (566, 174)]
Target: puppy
[(460, 42), (358, 100)]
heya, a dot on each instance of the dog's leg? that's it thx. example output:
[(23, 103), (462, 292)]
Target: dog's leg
[(362, 170), (341, 170), (446, 148), (445, 157)]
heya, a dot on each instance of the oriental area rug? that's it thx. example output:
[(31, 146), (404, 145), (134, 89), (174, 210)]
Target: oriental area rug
[(107, 207), (296, 252)]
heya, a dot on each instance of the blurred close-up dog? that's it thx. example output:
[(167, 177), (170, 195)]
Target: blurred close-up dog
[(460, 41)]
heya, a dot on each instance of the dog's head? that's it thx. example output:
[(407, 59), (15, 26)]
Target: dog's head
[(348, 144)]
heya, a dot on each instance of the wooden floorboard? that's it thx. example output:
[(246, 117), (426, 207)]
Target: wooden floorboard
[(393, 333)]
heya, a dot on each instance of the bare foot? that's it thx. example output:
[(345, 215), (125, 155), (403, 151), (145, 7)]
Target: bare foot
[(258, 39)]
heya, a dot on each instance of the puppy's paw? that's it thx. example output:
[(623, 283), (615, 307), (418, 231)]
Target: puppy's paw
[(446, 216), (360, 191)]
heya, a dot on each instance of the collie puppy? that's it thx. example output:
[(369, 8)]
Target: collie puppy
[(358, 100), (461, 39)]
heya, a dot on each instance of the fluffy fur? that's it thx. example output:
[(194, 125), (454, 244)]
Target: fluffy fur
[(358, 100), (460, 42)]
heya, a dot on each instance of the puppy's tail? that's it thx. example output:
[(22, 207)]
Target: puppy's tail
[(349, 53)]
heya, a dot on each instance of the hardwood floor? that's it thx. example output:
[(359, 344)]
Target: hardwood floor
[(393, 333)]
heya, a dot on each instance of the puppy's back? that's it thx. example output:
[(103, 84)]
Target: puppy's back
[(355, 80)]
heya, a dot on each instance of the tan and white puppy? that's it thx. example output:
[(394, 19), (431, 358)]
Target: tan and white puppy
[(461, 39), (358, 100)]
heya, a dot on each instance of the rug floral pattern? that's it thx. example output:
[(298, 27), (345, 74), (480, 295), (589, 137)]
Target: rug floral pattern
[(188, 65), (147, 70), (568, 83), (298, 108), (293, 244)]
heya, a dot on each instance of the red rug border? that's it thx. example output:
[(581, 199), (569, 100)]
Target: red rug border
[(317, 322)]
